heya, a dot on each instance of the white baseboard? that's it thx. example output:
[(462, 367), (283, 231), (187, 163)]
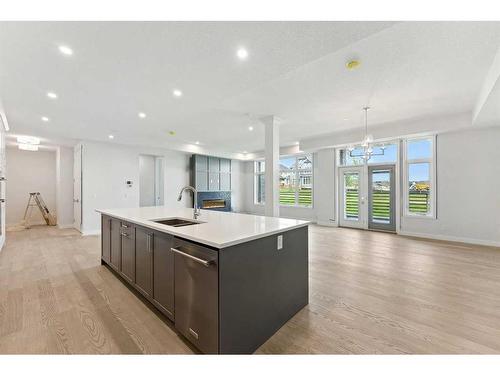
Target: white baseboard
[(473, 241), (95, 232), (327, 223), (65, 226)]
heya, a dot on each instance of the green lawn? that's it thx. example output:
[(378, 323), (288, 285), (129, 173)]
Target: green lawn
[(287, 197)]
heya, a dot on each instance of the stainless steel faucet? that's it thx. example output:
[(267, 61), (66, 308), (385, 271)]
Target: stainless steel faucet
[(195, 200)]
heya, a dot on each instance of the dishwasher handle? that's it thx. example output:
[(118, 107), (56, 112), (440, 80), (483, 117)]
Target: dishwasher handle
[(206, 263)]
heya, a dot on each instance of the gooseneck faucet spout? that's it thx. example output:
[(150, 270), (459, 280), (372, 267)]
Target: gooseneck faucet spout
[(195, 199)]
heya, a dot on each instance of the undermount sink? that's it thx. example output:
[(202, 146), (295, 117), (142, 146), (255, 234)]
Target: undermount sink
[(176, 222)]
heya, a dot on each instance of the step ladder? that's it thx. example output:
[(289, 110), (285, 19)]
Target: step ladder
[(36, 200)]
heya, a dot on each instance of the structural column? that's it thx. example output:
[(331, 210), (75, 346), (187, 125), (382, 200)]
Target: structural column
[(272, 158)]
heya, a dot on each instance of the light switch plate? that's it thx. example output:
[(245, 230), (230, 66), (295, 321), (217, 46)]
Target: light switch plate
[(280, 242)]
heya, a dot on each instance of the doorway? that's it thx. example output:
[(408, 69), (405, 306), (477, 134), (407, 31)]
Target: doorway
[(381, 198), (367, 197), (150, 180), (77, 187)]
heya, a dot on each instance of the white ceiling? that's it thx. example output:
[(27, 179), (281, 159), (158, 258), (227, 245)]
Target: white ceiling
[(295, 70)]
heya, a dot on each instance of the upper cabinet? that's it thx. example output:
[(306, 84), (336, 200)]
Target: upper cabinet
[(209, 173)]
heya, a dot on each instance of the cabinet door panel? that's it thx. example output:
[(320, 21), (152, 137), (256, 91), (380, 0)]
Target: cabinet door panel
[(201, 181), (225, 181), (116, 245), (163, 272), (225, 165), (106, 238), (213, 181), (144, 260), (201, 163), (213, 164), (128, 252)]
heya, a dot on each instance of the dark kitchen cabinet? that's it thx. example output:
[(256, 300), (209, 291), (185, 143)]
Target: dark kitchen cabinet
[(116, 245), (196, 294), (163, 273), (106, 238), (127, 232), (144, 260)]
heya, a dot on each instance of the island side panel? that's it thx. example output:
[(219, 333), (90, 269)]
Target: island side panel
[(261, 288)]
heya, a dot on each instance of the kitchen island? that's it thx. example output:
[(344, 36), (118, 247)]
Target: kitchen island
[(228, 281)]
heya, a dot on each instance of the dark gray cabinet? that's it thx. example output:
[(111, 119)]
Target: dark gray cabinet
[(197, 294), (106, 239), (210, 173), (228, 300), (127, 233), (144, 260), (163, 273), (116, 245)]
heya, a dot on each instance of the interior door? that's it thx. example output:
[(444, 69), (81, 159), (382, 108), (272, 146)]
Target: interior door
[(381, 198), (352, 197), (77, 187)]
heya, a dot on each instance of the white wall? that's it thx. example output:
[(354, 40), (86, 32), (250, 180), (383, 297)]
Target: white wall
[(64, 187), (107, 167), (468, 181), (2, 183), (146, 180), (238, 186), (29, 171)]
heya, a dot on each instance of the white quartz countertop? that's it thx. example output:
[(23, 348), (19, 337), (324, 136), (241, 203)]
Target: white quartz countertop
[(218, 229)]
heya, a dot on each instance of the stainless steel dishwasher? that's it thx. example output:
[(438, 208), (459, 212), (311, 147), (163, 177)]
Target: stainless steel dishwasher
[(197, 294)]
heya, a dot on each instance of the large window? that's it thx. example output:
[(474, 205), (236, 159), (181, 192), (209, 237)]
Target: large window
[(296, 181), (419, 180), (260, 194), (382, 153)]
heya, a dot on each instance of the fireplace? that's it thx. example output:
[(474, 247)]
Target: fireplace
[(215, 200), (213, 203)]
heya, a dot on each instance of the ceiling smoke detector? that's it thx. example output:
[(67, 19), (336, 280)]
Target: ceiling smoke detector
[(352, 64)]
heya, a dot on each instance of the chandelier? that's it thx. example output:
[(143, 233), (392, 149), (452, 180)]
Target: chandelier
[(366, 144)]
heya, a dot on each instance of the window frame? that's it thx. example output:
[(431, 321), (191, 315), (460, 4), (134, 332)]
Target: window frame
[(296, 171), (256, 174), (432, 178)]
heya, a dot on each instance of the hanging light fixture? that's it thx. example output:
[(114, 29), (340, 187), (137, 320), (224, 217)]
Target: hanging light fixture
[(366, 144)]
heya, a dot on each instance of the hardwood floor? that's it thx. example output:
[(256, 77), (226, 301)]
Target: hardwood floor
[(370, 293)]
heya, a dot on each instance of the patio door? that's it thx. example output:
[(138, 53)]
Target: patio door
[(352, 197), (381, 198)]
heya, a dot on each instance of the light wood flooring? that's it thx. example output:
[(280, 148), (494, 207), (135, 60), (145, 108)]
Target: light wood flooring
[(369, 293)]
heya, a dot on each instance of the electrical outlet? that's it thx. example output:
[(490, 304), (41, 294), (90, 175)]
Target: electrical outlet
[(280, 242)]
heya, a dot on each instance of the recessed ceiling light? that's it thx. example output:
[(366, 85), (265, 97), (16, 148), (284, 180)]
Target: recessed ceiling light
[(177, 93), (142, 115), (250, 128), (27, 147), (52, 95), (111, 136), (242, 53), (45, 119), (28, 140), (197, 142), (346, 119), (297, 143), (65, 50)]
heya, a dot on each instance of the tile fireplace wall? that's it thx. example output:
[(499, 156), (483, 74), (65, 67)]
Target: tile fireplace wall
[(225, 195)]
